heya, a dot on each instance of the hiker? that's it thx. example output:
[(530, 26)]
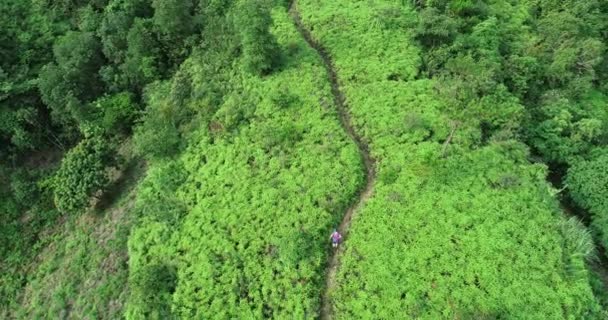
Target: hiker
[(335, 238)]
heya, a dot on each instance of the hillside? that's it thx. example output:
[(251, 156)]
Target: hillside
[(173, 159)]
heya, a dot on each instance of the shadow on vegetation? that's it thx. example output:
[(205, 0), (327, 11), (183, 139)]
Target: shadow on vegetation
[(127, 179), (598, 265)]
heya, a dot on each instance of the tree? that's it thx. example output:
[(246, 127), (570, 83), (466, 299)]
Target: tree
[(260, 48), (117, 20), (73, 78), (143, 64), (175, 26), (158, 133), (115, 113), (566, 129), (435, 28), (15, 126), (88, 19), (173, 17), (83, 172)]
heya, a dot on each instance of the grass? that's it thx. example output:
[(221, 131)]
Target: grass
[(81, 272)]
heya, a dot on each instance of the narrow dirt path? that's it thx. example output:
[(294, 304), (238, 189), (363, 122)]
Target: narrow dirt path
[(370, 167)]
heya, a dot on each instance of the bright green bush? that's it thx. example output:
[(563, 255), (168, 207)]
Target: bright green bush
[(115, 114), (83, 172)]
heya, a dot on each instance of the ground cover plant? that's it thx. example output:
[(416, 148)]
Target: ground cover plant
[(236, 225), (409, 253)]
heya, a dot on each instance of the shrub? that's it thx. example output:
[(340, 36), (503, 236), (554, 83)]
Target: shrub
[(158, 134), (83, 172), (115, 113), (588, 185)]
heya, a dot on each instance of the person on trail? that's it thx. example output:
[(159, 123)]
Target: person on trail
[(335, 238)]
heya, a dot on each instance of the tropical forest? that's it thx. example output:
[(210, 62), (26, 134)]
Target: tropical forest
[(304, 159)]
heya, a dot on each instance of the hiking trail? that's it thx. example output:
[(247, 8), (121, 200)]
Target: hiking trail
[(369, 162)]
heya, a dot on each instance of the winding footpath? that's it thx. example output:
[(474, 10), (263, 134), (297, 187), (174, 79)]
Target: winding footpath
[(370, 165)]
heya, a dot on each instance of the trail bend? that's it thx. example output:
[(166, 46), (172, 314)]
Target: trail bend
[(370, 164)]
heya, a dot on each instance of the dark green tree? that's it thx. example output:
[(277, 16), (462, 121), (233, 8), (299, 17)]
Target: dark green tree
[(144, 62), (173, 18), (73, 78), (260, 48)]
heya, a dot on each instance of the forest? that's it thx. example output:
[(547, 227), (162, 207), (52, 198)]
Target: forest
[(189, 159)]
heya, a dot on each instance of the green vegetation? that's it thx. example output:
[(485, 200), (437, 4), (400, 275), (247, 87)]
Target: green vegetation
[(462, 227), (72, 77), (234, 227), (175, 159), (82, 269), (83, 173), (588, 183)]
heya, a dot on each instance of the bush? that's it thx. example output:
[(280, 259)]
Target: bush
[(115, 113), (83, 172), (152, 287), (588, 185)]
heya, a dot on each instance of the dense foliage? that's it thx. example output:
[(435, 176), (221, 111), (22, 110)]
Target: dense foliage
[(464, 227), (465, 105), (72, 75), (588, 183), (234, 227), (83, 172)]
